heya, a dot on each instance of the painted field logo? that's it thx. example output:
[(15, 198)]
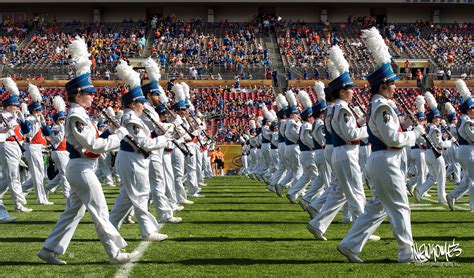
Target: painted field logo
[(425, 252)]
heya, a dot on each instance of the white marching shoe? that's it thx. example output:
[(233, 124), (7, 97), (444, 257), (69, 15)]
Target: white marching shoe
[(172, 219), (123, 258), (186, 202), (316, 232), (50, 257), (352, 257), (21, 208), (7, 219), (451, 202), (155, 237)]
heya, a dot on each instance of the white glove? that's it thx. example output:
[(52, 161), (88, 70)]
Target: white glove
[(169, 135), (419, 130), (361, 121), (122, 132), (10, 133), (178, 121), (21, 116)]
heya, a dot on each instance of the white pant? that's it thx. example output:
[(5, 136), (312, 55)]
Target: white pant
[(177, 159), (206, 162), (452, 162), (34, 157), (437, 173), (310, 173), (245, 165), (61, 159), (321, 182), (422, 169), (266, 159), (389, 198), (317, 203), (10, 155), (292, 154), (191, 169), (105, 167), (346, 187), (158, 186), (134, 194), (347, 173), (169, 179), (465, 156), (86, 193), (281, 166), (199, 165)]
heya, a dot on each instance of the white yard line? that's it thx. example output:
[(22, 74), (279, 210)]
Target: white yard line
[(128, 267)]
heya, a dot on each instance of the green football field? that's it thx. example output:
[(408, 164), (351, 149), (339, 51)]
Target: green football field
[(238, 229)]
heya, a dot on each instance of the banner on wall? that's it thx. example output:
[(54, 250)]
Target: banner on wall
[(232, 157)]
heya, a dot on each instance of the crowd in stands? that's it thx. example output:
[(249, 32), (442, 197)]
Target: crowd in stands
[(107, 43), (11, 35), (449, 45), (195, 48)]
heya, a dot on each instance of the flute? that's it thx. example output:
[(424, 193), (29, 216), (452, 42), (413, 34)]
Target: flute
[(158, 125), (412, 117), (128, 137)]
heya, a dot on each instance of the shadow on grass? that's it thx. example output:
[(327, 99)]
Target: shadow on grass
[(247, 261), (242, 203), (26, 263), (41, 222), (247, 210), (228, 222), (42, 239)]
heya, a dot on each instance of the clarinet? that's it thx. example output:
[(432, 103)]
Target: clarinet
[(14, 136), (446, 128), (128, 137), (186, 152), (412, 117), (196, 126), (357, 103)]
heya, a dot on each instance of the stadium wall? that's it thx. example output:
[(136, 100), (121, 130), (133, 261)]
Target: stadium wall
[(310, 12)]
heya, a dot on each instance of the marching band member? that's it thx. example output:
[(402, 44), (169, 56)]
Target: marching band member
[(383, 166), (34, 144), (436, 166), (266, 143), (59, 154), (84, 146), (321, 183), (132, 164), (465, 153), (306, 146), (245, 152), (453, 165), (282, 105), (275, 141), (169, 179), (253, 148), (317, 203), (418, 151), (177, 156), (292, 150), (105, 160), (158, 186), (12, 128), (346, 137)]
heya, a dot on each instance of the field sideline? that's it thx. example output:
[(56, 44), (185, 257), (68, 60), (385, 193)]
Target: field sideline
[(238, 229)]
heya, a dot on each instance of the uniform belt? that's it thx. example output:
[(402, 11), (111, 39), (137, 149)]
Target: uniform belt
[(356, 142), (168, 150), (12, 139)]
